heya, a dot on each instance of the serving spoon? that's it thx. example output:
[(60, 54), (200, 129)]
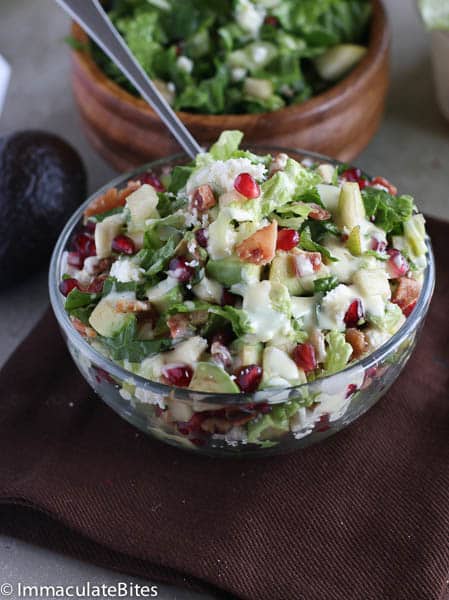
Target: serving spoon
[(94, 20)]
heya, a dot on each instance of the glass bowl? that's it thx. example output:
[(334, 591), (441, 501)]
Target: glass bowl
[(223, 424)]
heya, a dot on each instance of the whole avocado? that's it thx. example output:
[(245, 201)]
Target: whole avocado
[(42, 182)]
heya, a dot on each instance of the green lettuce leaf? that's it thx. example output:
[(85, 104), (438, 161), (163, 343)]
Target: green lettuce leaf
[(325, 284), (178, 179), (338, 352), (390, 321), (227, 144), (306, 243), (124, 345), (155, 261), (387, 211), (78, 299)]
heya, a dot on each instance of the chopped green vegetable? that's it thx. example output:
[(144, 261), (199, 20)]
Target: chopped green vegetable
[(387, 211)]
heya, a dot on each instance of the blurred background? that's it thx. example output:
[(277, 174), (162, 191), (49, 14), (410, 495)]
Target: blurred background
[(411, 149)]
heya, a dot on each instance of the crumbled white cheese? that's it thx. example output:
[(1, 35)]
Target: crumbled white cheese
[(260, 54), (249, 16), (185, 64), (334, 307), (221, 174), (238, 74), (125, 270)]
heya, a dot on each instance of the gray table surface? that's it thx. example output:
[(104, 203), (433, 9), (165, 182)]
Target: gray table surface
[(411, 149)]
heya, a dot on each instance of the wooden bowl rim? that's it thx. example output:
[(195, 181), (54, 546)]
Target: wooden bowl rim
[(377, 48)]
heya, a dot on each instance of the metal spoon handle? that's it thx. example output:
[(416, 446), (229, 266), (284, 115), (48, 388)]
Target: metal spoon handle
[(91, 16)]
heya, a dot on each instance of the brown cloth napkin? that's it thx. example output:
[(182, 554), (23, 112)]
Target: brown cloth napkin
[(365, 515)]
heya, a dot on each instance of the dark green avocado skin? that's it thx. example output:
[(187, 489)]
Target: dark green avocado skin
[(42, 182)]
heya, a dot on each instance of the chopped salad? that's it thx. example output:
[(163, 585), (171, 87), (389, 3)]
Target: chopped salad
[(244, 56), (240, 272)]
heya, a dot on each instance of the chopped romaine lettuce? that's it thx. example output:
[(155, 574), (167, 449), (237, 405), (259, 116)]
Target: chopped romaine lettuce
[(338, 352)]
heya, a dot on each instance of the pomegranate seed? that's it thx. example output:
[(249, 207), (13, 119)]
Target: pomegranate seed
[(229, 299), (271, 20), (287, 239), (123, 244), (180, 270), (397, 266), (153, 180), (378, 245), (248, 378), (304, 357), (354, 313), (179, 375), (74, 259), (193, 425), (355, 174), (67, 285), (84, 245), (201, 237), (351, 389), (102, 375), (318, 213), (323, 423), (246, 185), (96, 285), (90, 226)]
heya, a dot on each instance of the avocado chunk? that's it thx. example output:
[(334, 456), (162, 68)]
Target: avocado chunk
[(106, 320), (42, 182), (229, 271), (212, 378), (281, 271), (351, 210)]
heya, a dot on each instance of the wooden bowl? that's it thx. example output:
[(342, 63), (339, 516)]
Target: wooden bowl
[(339, 122)]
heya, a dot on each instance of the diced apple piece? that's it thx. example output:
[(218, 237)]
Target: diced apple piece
[(208, 290), (327, 172), (142, 205), (338, 60), (106, 320), (105, 232), (260, 247), (354, 241), (372, 282), (351, 210), (306, 263), (258, 88), (187, 352)]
